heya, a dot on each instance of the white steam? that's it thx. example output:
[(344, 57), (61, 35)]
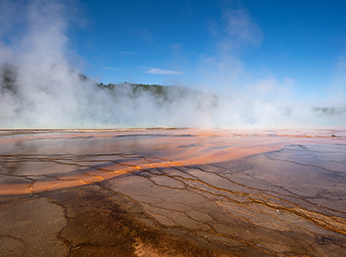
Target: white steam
[(49, 93)]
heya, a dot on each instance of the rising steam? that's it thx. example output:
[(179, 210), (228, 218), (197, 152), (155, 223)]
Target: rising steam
[(40, 88)]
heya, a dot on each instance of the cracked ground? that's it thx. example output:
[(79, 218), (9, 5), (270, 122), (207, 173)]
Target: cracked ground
[(172, 192)]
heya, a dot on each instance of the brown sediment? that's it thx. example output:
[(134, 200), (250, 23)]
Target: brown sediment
[(172, 192)]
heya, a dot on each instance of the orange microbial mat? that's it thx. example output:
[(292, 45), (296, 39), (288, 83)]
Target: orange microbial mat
[(173, 192)]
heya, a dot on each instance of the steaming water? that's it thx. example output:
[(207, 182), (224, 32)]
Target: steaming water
[(40, 88), (57, 97)]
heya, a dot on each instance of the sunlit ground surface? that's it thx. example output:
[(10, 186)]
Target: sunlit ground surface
[(172, 192)]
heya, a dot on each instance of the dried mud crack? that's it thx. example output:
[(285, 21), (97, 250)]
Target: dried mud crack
[(154, 194)]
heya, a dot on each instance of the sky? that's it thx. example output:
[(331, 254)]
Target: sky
[(219, 45), (223, 46), (269, 62)]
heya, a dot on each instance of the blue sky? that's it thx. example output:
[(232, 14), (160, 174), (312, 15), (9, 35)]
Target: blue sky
[(297, 48), (240, 42)]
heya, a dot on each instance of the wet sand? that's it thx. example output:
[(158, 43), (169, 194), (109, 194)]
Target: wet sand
[(173, 192)]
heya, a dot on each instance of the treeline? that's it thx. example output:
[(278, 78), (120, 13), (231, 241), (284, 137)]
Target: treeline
[(136, 89), (9, 77), (161, 95)]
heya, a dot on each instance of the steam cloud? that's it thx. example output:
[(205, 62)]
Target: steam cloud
[(40, 88)]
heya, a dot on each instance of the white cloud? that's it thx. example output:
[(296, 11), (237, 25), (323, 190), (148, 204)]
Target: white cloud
[(164, 72), (223, 69), (110, 68), (240, 30)]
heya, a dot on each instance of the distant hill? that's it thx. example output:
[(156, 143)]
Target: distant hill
[(162, 94)]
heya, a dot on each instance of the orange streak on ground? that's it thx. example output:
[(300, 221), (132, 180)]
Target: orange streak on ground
[(14, 187), (166, 148), (233, 153)]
